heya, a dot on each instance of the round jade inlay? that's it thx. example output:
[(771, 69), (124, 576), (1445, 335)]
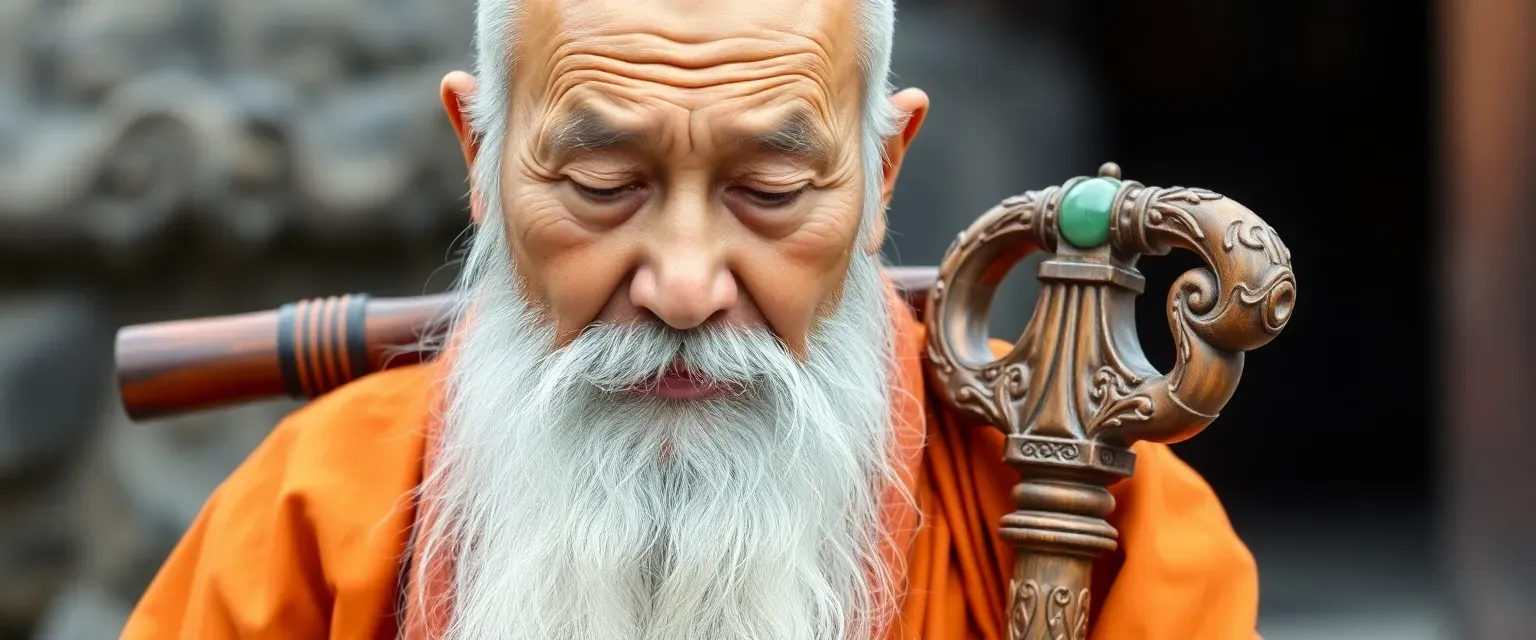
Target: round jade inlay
[(1084, 212)]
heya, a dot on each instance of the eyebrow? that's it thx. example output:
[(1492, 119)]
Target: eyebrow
[(796, 135), (585, 130)]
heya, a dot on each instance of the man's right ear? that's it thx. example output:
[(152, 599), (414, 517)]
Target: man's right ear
[(457, 92)]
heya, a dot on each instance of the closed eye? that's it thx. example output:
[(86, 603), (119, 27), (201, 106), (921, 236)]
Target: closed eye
[(605, 194), (769, 199)]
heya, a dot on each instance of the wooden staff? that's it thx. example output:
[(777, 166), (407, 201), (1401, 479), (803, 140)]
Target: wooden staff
[(1076, 391), (304, 349)]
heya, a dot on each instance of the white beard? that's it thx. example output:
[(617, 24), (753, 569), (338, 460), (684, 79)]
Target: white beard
[(571, 509)]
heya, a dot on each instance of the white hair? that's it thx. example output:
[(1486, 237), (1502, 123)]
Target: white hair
[(568, 508)]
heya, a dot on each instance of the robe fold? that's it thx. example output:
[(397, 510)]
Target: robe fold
[(307, 538)]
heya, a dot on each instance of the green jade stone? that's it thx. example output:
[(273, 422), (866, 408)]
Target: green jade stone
[(1085, 211)]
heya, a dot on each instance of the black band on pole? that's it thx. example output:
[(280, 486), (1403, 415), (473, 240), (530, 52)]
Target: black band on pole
[(287, 354), (357, 335)]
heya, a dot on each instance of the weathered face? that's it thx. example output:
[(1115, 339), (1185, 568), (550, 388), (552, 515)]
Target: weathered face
[(692, 161)]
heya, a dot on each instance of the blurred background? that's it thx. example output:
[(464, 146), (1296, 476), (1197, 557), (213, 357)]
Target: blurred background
[(165, 159)]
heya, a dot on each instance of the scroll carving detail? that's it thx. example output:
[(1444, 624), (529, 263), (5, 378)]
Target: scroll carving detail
[(1166, 212)]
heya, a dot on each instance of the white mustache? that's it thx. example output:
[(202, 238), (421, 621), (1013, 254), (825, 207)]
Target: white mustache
[(623, 357)]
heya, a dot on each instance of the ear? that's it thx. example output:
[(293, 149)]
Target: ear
[(911, 107), (457, 90)]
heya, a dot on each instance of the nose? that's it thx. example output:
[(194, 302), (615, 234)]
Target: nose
[(684, 291)]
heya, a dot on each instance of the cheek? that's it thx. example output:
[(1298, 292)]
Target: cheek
[(825, 231), (792, 295), (570, 271), (797, 278), (542, 229)]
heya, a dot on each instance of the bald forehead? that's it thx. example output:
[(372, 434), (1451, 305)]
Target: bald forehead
[(699, 20), (688, 34)]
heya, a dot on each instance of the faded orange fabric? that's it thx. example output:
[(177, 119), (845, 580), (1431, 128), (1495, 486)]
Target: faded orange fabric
[(306, 538)]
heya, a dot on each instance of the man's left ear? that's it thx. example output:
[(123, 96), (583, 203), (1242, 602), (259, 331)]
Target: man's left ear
[(911, 106)]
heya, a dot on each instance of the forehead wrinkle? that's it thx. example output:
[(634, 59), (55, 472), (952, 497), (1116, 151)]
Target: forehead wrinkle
[(586, 66), (699, 44), (637, 61), (645, 44), (698, 76), (655, 59)]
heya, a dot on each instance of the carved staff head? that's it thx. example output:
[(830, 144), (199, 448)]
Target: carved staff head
[(1077, 377)]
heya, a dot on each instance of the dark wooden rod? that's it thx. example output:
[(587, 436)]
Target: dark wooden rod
[(304, 349)]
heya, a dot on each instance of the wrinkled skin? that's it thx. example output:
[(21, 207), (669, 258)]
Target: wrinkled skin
[(646, 170)]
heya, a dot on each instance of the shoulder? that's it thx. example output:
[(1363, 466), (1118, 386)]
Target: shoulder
[(307, 534), (353, 452), (347, 455), (372, 413), (348, 432)]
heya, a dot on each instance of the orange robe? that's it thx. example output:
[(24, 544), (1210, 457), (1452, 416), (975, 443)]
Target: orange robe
[(306, 538)]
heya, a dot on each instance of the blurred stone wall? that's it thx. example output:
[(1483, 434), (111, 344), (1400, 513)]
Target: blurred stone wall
[(163, 159)]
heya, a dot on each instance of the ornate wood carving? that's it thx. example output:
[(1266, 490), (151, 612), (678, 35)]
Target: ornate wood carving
[(1076, 391)]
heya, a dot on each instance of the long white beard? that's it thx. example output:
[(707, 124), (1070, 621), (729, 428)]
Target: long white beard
[(571, 509)]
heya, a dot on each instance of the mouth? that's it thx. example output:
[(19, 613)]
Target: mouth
[(680, 383)]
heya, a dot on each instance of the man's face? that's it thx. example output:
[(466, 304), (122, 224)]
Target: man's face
[(681, 188), (690, 162)]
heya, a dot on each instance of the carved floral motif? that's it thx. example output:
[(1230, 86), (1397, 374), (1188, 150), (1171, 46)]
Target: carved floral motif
[(1117, 402), (1167, 211), (1048, 611)]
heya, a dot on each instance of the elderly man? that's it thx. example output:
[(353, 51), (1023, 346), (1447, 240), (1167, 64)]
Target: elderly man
[(681, 400)]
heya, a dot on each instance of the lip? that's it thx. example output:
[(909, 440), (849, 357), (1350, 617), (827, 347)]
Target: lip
[(679, 383)]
